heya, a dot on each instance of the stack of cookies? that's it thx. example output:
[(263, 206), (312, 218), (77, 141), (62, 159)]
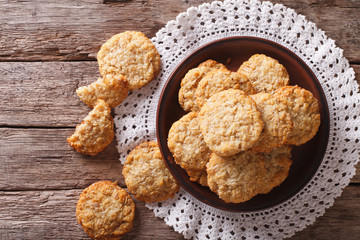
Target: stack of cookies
[(237, 137), (127, 61)]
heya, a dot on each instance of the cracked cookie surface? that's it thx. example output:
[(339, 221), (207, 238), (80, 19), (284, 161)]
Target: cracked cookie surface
[(113, 89), (95, 132), (187, 92), (304, 111), (240, 177), (265, 73), (146, 175), (277, 122), (130, 54), (105, 211), (219, 80), (187, 145), (230, 122)]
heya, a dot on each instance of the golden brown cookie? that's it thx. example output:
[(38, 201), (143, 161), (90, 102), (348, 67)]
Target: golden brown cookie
[(219, 80), (105, 211), (113, 89), (95, 132), (240, 177), (189, 83), (146, 175), (236, 178), (203, 179), (278, 163), (277, 122), (304, 111), (210, 63), (130, 54), (230, 122), (187, 145), (265, 73)]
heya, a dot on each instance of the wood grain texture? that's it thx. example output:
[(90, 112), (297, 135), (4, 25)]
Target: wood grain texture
[(41, 159), (43, 94), (51, 215), (74, 30)]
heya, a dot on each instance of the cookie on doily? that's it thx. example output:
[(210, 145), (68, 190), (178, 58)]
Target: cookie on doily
[(130, 54), (219, 80), (111, 88), (186, 143), (304, 111), (146, 175), (105, 211), (230, 122), (187, 96), (95, 132), (265, 73), (277, 122)]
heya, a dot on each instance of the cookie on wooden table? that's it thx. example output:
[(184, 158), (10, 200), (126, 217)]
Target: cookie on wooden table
[(277, 122), (187, 96), (187, 145), (105, 211), (304, 111), (146, 175), (240, 177), (219, 80), (130, 54), (96, 131), (112, 88), (230, 122), (265, 73)]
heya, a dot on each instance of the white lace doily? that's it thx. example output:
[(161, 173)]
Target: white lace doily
[(135, 118)]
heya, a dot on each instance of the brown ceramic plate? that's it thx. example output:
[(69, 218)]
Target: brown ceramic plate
[(232, 52)]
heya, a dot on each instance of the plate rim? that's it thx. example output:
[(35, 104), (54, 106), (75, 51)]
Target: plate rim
[(318, 86)]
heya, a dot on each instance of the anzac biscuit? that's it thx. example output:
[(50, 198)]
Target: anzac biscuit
[(212, 64), (203, 179), (219, 80), (265, 73), (230, 122), (96, 131), (130, 54), (277, 122), (236, 178), (278, 163), (187, 145), (146, 175), (113, 89), (304, 111), (240, 177), (189, 83), (105, 211)]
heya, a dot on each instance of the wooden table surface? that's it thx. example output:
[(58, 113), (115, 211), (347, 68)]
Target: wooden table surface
[(47, 50)]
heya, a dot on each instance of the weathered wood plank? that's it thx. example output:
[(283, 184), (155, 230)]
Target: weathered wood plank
[(51, 215), (37, 159), (74, 30), (42, 159), (43, 93)]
